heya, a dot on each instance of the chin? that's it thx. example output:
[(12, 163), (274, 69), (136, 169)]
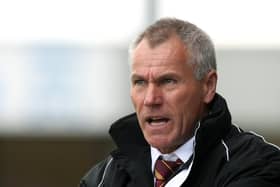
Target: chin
[(159, 143)]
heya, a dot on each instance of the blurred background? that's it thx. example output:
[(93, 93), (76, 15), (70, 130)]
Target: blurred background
[(64, 76)]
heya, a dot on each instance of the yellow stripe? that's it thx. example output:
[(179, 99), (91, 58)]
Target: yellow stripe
[(158, 175), (167, 165)]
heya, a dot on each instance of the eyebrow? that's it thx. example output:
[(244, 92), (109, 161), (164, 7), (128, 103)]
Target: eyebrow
[(161, 76), (136, 76)]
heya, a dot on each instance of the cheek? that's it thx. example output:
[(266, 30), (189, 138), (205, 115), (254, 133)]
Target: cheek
[(187, 108), (180, 102), (191, 111)]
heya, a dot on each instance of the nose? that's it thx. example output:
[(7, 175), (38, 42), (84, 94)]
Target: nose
[(153, 96)]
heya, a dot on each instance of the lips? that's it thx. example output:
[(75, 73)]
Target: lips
[(156, 120)]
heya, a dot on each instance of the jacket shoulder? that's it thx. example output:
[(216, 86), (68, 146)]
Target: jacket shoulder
[(96, 174), (252, 160), (251, 146)]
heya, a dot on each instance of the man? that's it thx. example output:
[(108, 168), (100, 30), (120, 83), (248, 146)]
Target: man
[(181, 121)]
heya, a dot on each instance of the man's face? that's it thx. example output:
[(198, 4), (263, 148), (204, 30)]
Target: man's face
[(167, 98)]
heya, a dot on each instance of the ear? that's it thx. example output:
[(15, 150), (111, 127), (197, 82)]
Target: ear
[(209, 86)]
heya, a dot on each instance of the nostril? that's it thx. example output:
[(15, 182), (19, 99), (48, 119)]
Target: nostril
[(152, 100)]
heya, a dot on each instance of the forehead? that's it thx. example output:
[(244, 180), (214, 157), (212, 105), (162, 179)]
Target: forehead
[(167, 59), (171, 53), (172, 50)]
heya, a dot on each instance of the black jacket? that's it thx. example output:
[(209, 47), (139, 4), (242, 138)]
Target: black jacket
[(224, 155)]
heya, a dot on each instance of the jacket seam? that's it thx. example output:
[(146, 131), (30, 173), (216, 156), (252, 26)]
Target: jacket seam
[(263, 139), (105, 171), (238, 128), (226, 149)]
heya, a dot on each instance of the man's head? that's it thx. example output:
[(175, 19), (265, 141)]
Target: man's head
[(173, 75)]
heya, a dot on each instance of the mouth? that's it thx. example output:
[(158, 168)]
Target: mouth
[(157, 120)]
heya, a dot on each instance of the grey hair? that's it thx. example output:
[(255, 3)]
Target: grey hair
[(198, 43)]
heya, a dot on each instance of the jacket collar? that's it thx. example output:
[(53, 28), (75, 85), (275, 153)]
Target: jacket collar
[(213, 127), (126, 132), (133, 150)]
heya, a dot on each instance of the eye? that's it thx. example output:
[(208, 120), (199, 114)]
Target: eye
[(168, 81), (138, 82)]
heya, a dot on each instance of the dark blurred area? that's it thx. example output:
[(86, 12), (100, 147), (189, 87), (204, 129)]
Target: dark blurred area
[(49, 162)]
